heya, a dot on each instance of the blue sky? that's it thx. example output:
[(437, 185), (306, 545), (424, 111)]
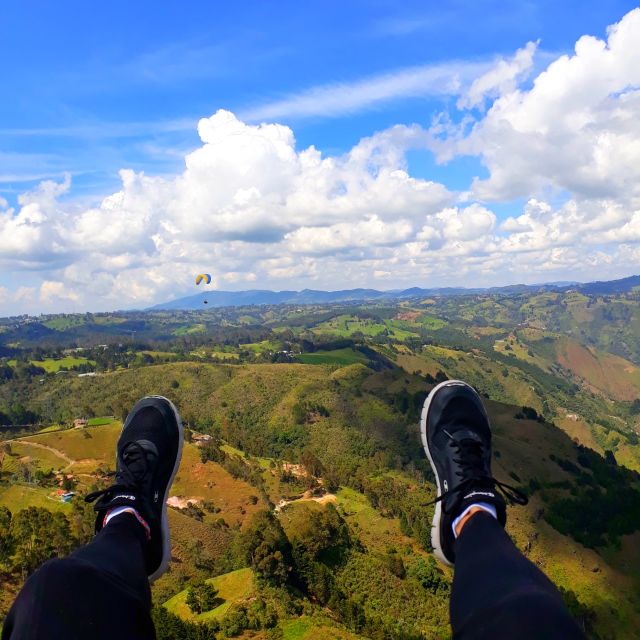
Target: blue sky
[(93, 88)]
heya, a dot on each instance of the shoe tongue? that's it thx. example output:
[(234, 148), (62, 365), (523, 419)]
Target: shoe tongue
[(465, 435), (139, 457)]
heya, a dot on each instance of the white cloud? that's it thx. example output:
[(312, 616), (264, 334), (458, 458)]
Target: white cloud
[(236, 276), (500, 79), (342, 98), (338, 237), (246, 196), (97, 130), (51, 290), (25, 295), (250, 207), (577, 128)]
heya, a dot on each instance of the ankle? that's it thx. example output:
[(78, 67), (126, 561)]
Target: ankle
[(460, 522), (117, 511)]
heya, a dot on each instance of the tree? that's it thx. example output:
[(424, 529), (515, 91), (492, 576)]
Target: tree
[(429, 575), (210, 450), (6, 540), (196, 551), (266, 548), (311, 463), (201, 597), (170, 627), (82, 520), (321, 544), (39, 535)]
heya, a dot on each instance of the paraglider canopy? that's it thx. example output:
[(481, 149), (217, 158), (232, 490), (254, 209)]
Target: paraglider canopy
[(203, 278)]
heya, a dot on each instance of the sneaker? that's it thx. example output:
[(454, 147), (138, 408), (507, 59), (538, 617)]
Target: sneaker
[(147, 457), (457, 440)]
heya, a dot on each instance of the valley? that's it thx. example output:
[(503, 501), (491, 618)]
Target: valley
[(302, 441)]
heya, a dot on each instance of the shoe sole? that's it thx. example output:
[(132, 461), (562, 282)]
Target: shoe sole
[(166, 542), (437, 516)]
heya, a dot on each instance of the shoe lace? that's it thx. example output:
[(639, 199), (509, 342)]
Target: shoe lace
[(134, 468), (470, 459)]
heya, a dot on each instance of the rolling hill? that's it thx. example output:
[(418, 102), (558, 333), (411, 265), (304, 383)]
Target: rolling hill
[(355, 427)]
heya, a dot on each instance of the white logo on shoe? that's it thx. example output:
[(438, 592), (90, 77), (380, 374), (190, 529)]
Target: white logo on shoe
[(125, 496), (446, 486), (155, 496), (479, 493)]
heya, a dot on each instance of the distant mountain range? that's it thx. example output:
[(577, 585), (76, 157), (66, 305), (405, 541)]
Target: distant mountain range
[(312, 296)]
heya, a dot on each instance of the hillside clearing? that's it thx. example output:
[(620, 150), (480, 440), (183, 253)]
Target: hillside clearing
[(233, 587)]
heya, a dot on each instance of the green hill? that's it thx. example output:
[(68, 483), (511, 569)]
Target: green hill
[(308, 507), (273, 427), (233, 588)]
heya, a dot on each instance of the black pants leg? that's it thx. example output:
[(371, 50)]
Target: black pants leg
[(497, 593), (99, 592)]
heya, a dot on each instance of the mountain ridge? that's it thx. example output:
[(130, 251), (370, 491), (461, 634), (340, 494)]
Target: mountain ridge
[(248, 297)]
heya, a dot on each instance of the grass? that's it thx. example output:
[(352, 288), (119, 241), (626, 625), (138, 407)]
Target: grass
[(51, 366), (442, 352), (232, 587), (225, 355), (157, 355), (51, 428), (185, 531), (17, 497), (189, 329), (261, 347), (513, 346), (610, 374), (41, 458), (377, 532), (336, 356), (346, 325), (62, 323), (100, 446), (108, 319), (431, 322), (99, 422), (209, 481), (423, 365), (524, 447), (233, 451), (308, 628)]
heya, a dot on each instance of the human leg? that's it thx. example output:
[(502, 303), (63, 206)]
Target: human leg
[(498, 593), (102, 590)]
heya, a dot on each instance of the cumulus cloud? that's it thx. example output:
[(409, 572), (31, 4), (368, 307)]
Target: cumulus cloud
[(51, 289), (251, 207), (246, 200), (501, 78), (338, 237), (235, 276), (576, 129)]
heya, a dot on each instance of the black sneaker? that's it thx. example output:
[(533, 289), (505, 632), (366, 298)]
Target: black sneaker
[(457, 439), (147, 457)]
